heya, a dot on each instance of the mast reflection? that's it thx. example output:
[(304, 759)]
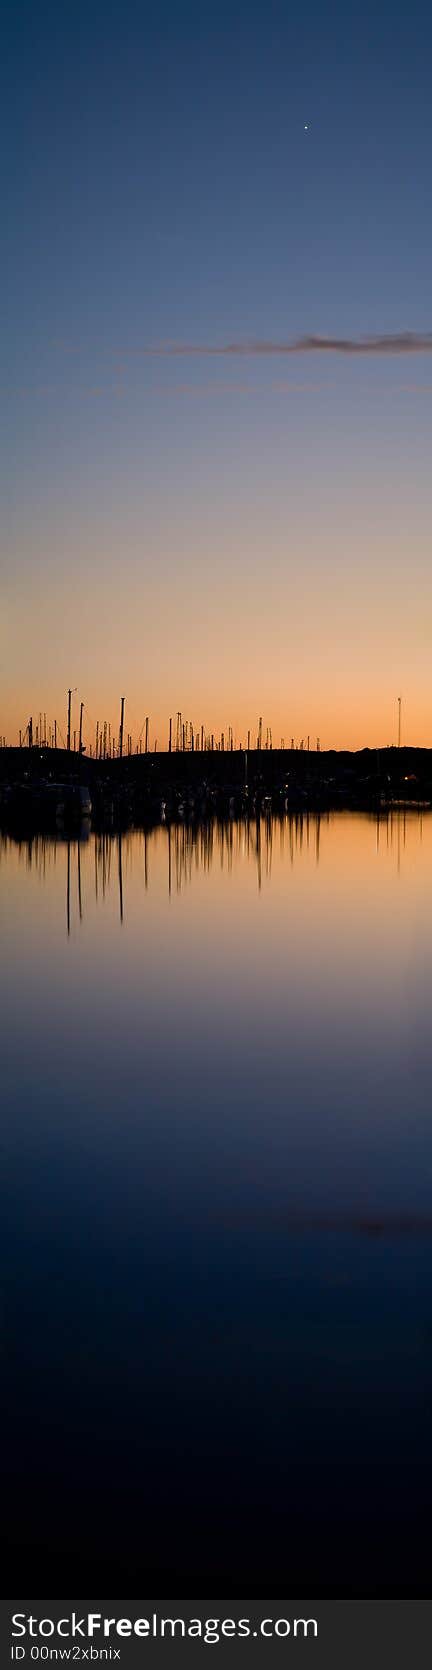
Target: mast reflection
[(193, 849)]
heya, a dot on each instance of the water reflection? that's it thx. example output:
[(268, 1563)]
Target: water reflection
[(191, 848), (217, 1247)]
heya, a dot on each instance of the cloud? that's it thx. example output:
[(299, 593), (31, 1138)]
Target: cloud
[(402, 342)]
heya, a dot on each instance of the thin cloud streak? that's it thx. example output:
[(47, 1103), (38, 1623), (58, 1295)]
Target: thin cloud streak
[(402, 342)]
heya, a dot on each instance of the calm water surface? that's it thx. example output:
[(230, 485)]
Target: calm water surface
[(217, 1219)]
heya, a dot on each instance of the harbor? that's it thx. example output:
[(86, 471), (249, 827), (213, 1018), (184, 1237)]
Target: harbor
[(40, 786)]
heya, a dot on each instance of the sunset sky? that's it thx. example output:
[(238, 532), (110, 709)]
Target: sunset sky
[(229, 533)]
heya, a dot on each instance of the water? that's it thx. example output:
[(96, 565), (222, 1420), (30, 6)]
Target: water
[(217, 1220)]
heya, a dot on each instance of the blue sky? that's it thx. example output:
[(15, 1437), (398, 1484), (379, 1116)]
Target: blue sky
[(198, 175), (158, 178)]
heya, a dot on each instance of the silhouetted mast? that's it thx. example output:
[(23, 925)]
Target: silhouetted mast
[(69, 720), (121, 727)]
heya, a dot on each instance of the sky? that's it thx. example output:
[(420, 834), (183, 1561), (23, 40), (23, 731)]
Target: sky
[(194, 516)]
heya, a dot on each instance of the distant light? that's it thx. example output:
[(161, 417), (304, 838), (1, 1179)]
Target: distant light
[(306, 127)]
